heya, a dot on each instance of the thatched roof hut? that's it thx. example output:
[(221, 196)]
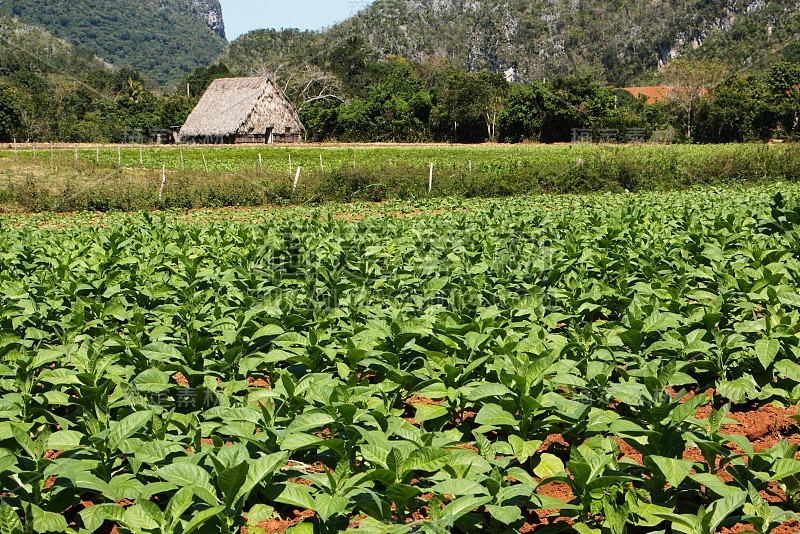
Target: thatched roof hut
[(242, 110)]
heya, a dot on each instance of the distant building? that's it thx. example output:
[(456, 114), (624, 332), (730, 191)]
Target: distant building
[(242, 110)]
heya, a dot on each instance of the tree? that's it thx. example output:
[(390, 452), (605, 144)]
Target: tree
[(690, 81), (784, 84), (10, 115), (524, 113)]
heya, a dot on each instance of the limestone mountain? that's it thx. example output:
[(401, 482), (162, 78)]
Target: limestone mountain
[(163, 39), (621, 41)]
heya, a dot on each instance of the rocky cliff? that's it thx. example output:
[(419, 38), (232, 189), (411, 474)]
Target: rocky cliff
[(210, 12), (620, 40)]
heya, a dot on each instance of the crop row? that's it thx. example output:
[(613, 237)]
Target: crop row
[(551, 364)]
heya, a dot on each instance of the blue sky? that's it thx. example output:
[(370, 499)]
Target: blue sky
[(242, 16)]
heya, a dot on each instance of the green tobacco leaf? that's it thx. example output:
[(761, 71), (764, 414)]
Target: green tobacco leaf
[(47, 521), (181, 501), (494, 415), (142, 516), (259, 471), (65, 440), (190, 475), (201, 518), (740, 390), (714, 484), (9, 520), (673, 470), (126, 428), (766, 351), (721, 509), (505, 514), (230, 481), (459, 486), (328, 506), (425, 459), (549, 466), (464, 505), (297, 495), (429, 412)]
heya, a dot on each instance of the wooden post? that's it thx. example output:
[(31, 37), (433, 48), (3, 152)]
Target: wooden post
[(141, 159), (297, 178), (260, 164), (119, 157), (354, 163), (34, 151), (290, 165), (430, 180), (51, 153), (76, 155), (321, 166), (205, 163), (15, 148), (163, 181), (97, 156), (181, 149)]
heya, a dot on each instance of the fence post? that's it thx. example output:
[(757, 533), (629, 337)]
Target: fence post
[(205, 163), (321, 166), (141, 159), (430, 180), (260, 164), (97, 156), (181, 150), (297, 178), (163, 181), (291, 168)]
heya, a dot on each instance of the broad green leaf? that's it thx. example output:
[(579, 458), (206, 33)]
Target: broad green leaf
[(9, 520), (297, 495), (673, 470), (47, 521), (126, 428), (721, 509), (766, 351), (494, 415), (425, 459), (259, 471), (189, 475), (548, 466), (65, 440), (464, 505), (426, 412), (458, 486), (230, 481), (201, 518), (505, 514)]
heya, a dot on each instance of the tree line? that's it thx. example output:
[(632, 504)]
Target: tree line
[(352, 98)]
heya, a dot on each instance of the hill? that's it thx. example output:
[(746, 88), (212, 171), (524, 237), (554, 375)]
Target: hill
[(621, 42), (163, 39)]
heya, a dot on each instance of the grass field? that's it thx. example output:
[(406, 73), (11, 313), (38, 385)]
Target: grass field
[(116, 178), (605, 363)]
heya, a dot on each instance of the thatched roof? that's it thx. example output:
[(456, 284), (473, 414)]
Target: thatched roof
[(241, 106)]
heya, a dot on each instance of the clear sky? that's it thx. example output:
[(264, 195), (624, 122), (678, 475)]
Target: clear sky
[(242, 16)]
